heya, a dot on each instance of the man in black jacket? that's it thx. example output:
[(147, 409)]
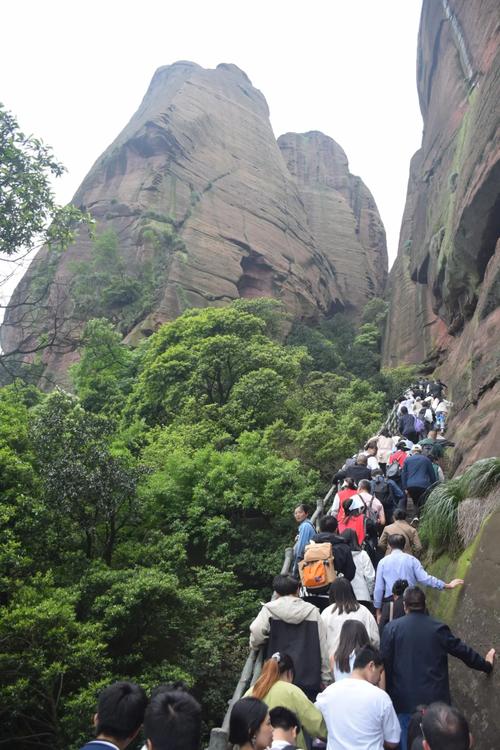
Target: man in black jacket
[(342, 555), (356, 471), (415, 650)]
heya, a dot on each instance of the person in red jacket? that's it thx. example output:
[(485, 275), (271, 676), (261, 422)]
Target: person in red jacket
[(400, 454), (348, 490)]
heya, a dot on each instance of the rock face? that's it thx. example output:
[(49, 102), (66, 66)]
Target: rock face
[(197, 176), (342, 214), (476, 620), (444, 288)]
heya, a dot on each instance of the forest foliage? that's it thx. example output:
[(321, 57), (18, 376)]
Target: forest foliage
[(143, 515)]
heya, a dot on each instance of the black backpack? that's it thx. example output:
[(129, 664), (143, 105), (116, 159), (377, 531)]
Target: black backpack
[(393, 471), (370, 522), (382, 491)]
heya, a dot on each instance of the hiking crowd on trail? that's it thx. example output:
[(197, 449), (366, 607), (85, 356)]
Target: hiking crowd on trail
[(353, 712), (353, 659)]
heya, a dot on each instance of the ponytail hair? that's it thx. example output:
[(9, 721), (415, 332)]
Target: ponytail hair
[(273, 669)]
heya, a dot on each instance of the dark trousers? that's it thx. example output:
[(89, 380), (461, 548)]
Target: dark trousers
[(416, 494), (413, 436)]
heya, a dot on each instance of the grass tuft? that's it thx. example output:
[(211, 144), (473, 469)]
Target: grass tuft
[(482, 477), (439, 526), (438, 529)]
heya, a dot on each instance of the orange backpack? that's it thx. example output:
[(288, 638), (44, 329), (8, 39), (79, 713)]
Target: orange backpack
[(317, 570)]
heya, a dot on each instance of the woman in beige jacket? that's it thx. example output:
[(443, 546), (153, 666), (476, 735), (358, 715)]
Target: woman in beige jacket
[(385, 446)]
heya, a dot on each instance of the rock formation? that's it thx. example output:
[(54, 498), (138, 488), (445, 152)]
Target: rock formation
[(473, 614), (444, 288), (341, 212), (196, 188)]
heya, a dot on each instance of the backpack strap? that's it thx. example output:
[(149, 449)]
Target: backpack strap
[(362, 500)]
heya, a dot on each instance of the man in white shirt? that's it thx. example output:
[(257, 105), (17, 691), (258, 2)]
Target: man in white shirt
[(407, 401), (286, 727), (358, 714)]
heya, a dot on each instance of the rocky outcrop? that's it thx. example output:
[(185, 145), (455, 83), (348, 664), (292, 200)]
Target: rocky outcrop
[(196, 187), (341, 212), (473, 614), (444, 288)]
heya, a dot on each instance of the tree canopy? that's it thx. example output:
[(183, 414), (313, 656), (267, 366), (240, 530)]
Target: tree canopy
[(144, 514)]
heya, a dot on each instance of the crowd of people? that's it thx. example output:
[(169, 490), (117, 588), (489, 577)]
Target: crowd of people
[(277, 715), (353, 659), (358, 661), (348, 680)]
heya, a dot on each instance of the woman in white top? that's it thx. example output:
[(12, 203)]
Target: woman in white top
[(353, 636), (363, 582), (345, 607)]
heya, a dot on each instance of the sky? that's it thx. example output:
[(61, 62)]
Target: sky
[(74, 73)]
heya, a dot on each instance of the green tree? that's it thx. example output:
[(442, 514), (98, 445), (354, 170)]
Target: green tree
[(104, 373), (218, 496), (83, 482), (394, 381), (48, 657), (203, 355), (375, 311), (323, 351), (365, 353), (327, 438), (29, 214), (19, 487)]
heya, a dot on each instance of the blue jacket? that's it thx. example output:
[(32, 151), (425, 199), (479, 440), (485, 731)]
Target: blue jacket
[(406, 424), (306, 533), (417, 472)]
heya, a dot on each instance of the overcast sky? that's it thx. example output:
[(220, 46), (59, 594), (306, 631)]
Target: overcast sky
[(74, 73)]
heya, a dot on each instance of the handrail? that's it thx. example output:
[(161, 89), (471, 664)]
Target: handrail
[(392, 419), (320, 505), (219, 736)]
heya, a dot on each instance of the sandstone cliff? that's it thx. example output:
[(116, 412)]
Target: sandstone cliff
[(342, 214), (196, 189), (444, 288), (473, 614)]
